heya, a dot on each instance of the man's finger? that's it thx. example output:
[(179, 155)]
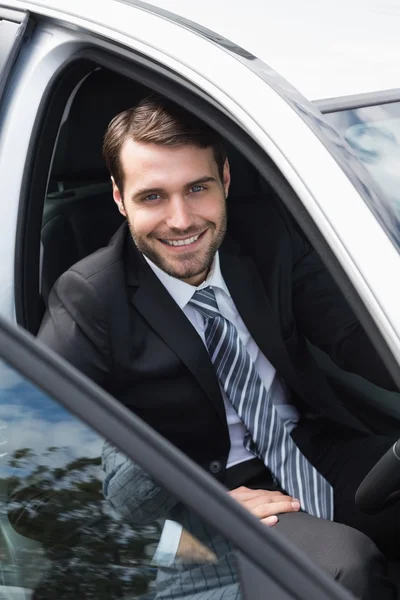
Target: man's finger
[(253, 496), (269, 509), (263, 499), (247, 493), (270, 521)]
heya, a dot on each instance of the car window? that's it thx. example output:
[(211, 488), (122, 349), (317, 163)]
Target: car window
[(374, 134), (75, 521)]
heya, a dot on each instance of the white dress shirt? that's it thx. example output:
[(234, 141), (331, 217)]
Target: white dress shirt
[(182, 293)]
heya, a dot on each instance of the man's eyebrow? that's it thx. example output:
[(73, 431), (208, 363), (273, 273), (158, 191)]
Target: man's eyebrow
[(205, 179), (147, 191)]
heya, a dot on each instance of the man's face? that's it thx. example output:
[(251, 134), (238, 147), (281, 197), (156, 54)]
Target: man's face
[(174, 201)]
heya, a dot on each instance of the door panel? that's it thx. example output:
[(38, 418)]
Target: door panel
[(103, 510)]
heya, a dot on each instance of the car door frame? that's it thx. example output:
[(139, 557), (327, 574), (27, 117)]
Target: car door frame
[(17, 22)]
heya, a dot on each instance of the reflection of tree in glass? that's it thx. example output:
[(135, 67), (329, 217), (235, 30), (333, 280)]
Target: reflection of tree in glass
[(91, 551)]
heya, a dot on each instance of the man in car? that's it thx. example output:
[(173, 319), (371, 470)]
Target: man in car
[(195, 317)]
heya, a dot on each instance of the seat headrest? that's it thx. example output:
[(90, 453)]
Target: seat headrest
[(102, 95)]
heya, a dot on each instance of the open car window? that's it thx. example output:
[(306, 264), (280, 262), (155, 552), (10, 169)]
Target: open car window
[(82, 519)]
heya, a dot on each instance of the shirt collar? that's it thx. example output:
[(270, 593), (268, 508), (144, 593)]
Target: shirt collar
[(181, 291)]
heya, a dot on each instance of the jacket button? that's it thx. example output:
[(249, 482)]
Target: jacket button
[(215, 466)]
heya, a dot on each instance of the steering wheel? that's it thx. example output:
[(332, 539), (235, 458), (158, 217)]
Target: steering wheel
[(381, 487)]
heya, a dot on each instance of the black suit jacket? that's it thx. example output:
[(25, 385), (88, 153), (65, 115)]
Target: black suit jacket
[(110, 316)]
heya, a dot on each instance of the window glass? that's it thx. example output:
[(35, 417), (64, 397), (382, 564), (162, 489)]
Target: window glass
[(374, 134), (80, 520)]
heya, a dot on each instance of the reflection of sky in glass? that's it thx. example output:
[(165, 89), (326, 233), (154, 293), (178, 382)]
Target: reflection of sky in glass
[(54, 522), (378, 146), (30, 419), (374, 134)]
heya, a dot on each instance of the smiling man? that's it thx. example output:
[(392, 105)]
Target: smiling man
[(177, 219), (203, 336)]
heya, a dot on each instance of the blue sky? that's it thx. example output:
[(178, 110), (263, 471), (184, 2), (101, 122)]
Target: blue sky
[(30, 419)]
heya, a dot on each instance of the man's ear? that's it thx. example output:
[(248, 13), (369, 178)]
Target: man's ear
[(226, 177), (118, 198)]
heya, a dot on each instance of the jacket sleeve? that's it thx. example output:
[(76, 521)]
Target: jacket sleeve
[(325, 318), (75, 326), (130, 490)]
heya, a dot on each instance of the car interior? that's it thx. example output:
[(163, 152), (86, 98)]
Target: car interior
[(79, 216)]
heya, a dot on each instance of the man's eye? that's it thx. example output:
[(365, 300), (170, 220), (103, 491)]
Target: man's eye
[(197, 188), (151, 197)]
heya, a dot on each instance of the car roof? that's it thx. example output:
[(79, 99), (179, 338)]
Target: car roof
[(340, 49)]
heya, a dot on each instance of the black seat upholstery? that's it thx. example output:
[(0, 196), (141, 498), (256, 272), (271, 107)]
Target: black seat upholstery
[(75, 223), (82, 217)]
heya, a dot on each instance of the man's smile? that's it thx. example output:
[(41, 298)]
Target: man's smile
[(184, 243)]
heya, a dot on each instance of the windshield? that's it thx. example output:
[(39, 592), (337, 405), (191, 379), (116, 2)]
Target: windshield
[(374, 134)]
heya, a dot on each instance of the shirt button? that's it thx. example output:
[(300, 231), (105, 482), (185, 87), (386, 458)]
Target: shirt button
[(215, 466)]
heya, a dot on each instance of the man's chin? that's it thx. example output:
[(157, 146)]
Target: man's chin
[(186, 267), (180, 271)]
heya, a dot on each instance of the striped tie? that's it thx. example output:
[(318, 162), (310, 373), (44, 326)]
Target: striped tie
[(269, 439)]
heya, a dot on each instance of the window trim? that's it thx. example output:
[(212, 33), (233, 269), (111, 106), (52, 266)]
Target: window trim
[(174, 470), (340, 103), (20, 21)]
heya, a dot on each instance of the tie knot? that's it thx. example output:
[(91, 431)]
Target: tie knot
[(204, 301)]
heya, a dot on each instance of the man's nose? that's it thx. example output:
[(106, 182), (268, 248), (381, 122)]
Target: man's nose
[(180, 215)]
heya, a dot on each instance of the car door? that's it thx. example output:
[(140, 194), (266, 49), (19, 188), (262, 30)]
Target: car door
[(61, 538)]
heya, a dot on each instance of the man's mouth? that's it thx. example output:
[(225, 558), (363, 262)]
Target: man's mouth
[(183, 242)]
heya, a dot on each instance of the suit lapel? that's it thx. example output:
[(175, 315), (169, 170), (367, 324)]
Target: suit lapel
[(254, 307), (155, 304)]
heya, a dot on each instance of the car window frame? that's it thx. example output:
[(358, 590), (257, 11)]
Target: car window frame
[(271, 556), (18, 22), (332, 105)]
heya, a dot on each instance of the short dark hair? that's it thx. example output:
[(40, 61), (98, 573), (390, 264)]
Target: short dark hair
[(157, 120)]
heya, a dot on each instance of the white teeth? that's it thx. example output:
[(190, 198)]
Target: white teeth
[(182, 242)]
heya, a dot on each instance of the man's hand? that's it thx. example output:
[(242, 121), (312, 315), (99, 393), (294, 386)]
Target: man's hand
[(191, 550), (265, 505)]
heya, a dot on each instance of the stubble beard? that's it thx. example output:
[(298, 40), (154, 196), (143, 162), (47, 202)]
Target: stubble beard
[(188, 265)]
